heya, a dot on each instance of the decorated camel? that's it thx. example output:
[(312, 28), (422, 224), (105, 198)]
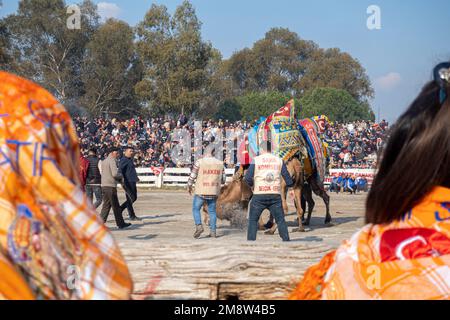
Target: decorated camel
[(305, 171)]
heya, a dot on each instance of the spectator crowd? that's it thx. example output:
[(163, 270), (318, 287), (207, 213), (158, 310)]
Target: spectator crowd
[(355, 144), (351, 145)]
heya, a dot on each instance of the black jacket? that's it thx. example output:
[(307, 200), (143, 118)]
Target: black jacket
[(93, 174), (128, 170)]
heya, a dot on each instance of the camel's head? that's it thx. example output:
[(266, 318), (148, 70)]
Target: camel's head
[(236, 190)]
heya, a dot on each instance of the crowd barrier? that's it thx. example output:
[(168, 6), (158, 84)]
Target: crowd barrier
[(155, 177), (369, 174)]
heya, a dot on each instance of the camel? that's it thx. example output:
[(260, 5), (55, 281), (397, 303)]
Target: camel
[(238, 192), (295, 168), (298, 172), (318, 188)]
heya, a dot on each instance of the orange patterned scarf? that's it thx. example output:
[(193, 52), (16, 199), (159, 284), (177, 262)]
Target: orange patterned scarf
[(406, 259), (52, 244)]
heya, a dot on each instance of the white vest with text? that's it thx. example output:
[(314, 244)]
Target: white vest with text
[(209, 178), (267, 178)]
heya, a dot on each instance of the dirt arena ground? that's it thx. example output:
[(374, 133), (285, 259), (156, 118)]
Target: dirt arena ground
[(166, 262)]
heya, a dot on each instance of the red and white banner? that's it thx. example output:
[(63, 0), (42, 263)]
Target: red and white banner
[(157, 170)]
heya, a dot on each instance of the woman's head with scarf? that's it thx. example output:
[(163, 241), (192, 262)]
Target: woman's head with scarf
[(404, 250), (52, 245)]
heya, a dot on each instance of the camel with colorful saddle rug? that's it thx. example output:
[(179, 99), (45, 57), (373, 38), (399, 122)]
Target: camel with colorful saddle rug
[(305, 159)]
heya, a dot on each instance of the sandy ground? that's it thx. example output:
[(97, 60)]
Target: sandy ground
[(166, 262)]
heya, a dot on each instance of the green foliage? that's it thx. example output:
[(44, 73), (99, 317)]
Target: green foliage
[(163, 66), (229, 110), (332, 68), (5, 45), (282, 61), (337, 104), (254, 105), (111, 70), (175, 60), (45, 50)]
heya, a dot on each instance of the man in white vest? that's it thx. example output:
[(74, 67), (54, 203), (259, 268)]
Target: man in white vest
[(206, 177), (264, 175)]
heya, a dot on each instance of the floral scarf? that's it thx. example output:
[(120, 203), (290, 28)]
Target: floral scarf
[(406, 259), (52, 244)]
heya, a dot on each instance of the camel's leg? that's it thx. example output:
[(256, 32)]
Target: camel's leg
[(284, 192), (272, 224), (220, 211), (307, 192), (326, 200), (205, 214), (244, 205), (260, 221), (320, 191), (261, 225), (303, 204), (297, 199)]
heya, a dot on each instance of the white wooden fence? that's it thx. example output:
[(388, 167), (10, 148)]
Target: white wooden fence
[(170, 177), (178, 177)]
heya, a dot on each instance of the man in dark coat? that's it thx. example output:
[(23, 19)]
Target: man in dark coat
[(94, 179), (130, 179)]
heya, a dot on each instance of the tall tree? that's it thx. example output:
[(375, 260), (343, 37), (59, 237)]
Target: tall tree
[(274, 63), (256, 104), (284, 62), (45, 49), (337, 104), (111, 69), (335, 69), (175, 60), (219, 88), (5, 45)]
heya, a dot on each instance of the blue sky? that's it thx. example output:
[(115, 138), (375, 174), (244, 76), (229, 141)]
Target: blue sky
[(414, 34)]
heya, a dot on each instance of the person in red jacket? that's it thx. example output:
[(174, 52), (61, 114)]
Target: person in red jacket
[(84, 165)]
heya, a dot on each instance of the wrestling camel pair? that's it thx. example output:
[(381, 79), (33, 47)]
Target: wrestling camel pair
[(238, 192)]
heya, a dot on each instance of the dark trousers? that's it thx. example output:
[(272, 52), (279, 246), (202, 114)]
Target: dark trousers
[(273, 203), (96, 190), (131, 195), (110, 199)]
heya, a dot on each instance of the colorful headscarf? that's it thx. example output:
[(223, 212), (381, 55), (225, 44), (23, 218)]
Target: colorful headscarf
[(406, 259), (52, 244)]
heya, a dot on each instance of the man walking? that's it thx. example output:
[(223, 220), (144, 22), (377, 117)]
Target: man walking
[(265, 176), (208, 174), (109, 189), (130, 178), (94, 179)]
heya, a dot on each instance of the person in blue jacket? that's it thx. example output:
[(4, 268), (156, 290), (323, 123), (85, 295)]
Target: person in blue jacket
[(362, 186), (351, 186), (334, 184), (340, 183)]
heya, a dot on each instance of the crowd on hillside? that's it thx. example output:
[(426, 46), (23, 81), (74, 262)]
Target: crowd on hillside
[(351, 145)]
